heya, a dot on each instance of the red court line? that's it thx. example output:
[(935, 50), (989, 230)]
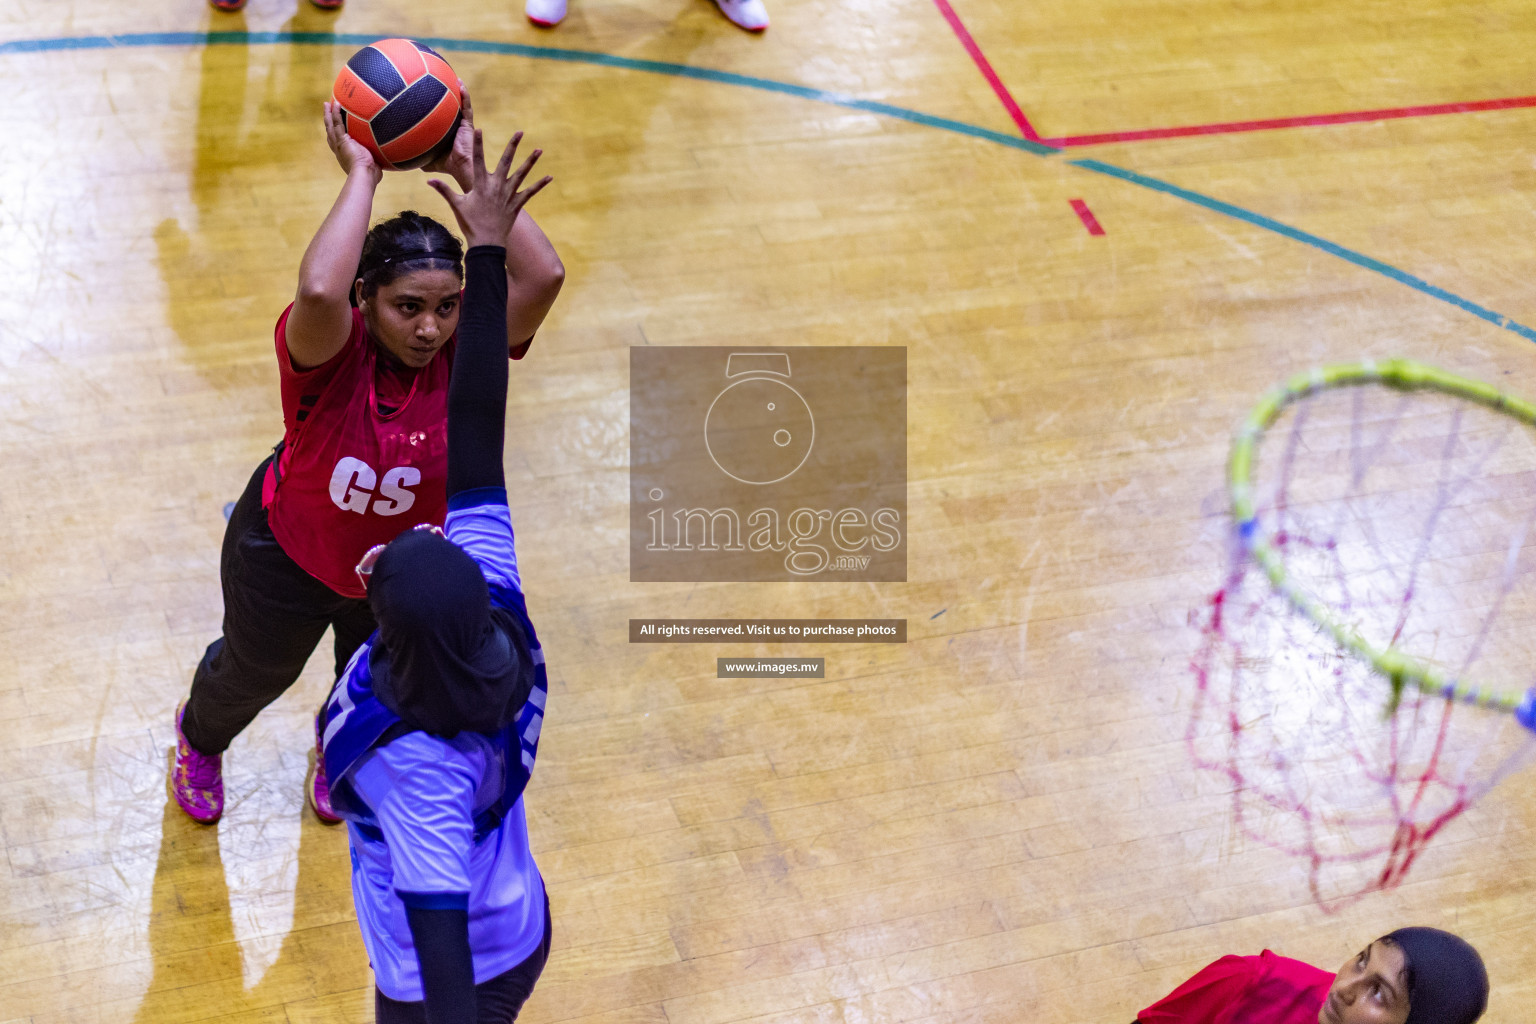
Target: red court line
[(1312, 120), (1222, 128), (982, 64), (1086, 216)]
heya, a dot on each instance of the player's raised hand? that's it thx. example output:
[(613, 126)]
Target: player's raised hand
[(487, 211), (350, 153), (457, 161)]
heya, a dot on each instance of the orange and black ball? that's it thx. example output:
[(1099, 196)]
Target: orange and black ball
[(400, 100)]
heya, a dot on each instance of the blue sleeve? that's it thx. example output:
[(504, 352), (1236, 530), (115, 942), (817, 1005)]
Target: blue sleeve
[(422, 791), (480, 523)]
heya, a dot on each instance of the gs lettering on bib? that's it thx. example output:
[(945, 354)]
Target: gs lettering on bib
[(350, 476), (352, 488)]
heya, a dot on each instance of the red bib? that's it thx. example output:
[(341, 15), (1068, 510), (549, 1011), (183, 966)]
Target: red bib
[(349, 476), (1263, 989)]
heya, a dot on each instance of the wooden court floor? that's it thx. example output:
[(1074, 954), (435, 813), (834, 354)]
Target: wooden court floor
[(995, 822)]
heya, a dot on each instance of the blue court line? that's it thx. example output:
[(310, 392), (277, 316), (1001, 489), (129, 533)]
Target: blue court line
[(783, 88), (1333, 249), (606, 60)]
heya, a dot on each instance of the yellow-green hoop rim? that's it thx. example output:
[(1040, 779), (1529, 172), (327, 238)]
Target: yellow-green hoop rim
[(1407, 375)]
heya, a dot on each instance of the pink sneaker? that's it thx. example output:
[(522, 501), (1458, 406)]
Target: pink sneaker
[(197, 780), (319, 787)]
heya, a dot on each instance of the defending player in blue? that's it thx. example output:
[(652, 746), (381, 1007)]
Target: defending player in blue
[(430, 734)]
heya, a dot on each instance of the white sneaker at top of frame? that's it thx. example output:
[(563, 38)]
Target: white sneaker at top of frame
[(749, 14), (547, 13)]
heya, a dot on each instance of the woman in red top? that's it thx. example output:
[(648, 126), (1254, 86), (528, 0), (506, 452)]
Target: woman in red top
[(1411, 976), (364, 355)]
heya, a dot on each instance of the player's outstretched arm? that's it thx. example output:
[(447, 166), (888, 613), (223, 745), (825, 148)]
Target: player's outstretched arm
[(321, 320), (477, 392), (534, 277), (534, 270)]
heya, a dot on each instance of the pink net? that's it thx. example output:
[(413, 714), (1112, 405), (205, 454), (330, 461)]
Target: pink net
[(1406, 515)]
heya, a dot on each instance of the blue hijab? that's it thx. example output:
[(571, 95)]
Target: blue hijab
[(446, 660), (1447, 983)]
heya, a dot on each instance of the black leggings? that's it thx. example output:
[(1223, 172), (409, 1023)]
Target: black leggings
[(274, 616), (496, 1001)]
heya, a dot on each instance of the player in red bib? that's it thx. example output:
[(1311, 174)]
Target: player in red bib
[(1410, 976), (364, 355)]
